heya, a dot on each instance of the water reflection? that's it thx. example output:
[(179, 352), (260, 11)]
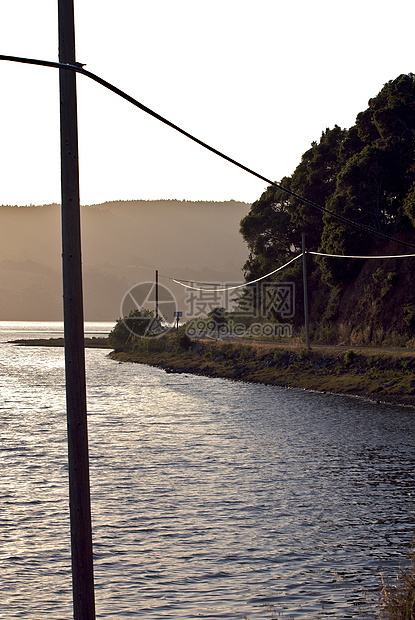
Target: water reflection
[(209, 498)]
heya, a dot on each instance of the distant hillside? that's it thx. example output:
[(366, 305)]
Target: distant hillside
[(123, 244)]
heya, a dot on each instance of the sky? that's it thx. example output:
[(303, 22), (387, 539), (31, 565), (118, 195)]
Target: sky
[(259, 81)]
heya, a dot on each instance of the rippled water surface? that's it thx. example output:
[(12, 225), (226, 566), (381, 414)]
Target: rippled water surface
[(210, 498)]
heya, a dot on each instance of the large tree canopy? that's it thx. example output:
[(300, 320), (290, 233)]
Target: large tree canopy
[(365, 174)]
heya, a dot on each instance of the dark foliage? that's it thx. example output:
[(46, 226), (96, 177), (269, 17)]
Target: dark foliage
[(366, 174)]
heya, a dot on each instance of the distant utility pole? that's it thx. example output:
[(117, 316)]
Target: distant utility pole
[(79, 489), (157, 294), (307, 335)]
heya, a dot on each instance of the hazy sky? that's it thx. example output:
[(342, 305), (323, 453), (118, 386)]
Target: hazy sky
[(258, 79)]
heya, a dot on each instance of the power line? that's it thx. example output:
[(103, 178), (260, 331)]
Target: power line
[(190, 284), (79, 68), (231, 288), (365, 257)]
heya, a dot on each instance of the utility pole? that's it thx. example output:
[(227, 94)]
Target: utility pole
[(79, 488), (157, 294), (307, 335)]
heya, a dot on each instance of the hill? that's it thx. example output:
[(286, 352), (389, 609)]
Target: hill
[(123, 244)]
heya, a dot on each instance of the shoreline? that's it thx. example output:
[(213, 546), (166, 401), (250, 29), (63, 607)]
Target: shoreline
[(378, 375), (387, 377)]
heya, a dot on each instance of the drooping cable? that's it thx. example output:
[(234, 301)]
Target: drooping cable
[(231, 288), (213, 287), (79, 68)]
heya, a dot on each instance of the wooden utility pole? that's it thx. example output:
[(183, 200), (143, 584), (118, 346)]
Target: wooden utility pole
[(307, 335), (79, 489), (157, 293)]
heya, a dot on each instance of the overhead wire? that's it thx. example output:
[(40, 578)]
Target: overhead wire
[(230, 288), (190, 284), (359, 256), (79, 68)]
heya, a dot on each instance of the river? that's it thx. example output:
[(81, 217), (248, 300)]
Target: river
[(210, 498)]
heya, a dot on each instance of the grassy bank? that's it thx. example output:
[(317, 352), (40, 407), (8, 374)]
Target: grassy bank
[(398, 597), (379, 375)]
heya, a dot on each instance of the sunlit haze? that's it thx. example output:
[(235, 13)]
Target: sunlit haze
[(259, 81)]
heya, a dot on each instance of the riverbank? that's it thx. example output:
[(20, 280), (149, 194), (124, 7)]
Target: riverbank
[(379, 375), (376, 374)]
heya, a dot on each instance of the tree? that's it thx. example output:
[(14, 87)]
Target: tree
[(409, 203), (269, 232), (140, 323), (376, 174), (365, 174), (273, 227), (315, 179)]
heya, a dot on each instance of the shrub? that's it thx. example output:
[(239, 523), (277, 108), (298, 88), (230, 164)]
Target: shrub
[(409, 315), (138, 324), (349, 357), (182, 342)]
